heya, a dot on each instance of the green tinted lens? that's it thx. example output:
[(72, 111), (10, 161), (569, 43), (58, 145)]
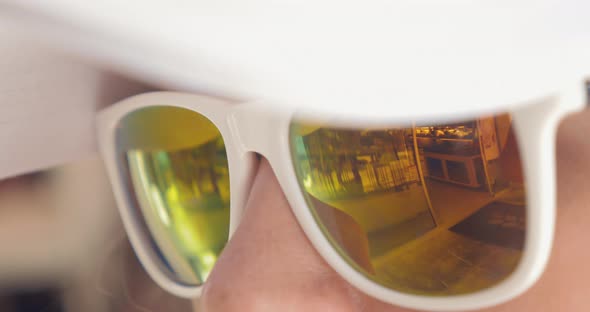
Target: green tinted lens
[(178, 174), (432, 209)]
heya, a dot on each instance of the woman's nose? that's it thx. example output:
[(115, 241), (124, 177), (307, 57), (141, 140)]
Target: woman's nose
[(269, 265)]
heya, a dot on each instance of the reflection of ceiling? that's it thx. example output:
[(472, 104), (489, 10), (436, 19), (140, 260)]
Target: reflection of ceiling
[(166, 128), (301, 129)]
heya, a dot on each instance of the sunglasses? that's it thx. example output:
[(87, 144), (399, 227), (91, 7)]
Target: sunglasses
[(450, 213)]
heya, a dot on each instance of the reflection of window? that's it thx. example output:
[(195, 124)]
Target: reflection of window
[(349, 163)]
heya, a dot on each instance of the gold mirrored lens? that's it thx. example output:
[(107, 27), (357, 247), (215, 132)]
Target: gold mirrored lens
[(178, 173), (429, 209)]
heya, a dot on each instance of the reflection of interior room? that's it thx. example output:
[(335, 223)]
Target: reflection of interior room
[(476, 161), (443, 201)]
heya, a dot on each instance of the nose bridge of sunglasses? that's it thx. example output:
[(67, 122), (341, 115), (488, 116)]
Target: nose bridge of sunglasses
[(258, 128)]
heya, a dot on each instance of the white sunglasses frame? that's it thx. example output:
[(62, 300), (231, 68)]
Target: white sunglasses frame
[(247, 129)]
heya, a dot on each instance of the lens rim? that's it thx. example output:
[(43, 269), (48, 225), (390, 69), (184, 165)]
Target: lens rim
[(107, 122), (535, 126)]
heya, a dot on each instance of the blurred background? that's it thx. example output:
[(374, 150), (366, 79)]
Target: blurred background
[(49, 232), (64, 249), (62, 245)]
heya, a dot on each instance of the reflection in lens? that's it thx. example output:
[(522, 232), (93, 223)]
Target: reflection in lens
[(178, 171), (430, 209)]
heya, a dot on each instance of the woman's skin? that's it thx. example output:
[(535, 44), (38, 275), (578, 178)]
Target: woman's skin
[(269, 265)]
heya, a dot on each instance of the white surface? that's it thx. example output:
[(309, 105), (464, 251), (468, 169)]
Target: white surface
[(47, 105), (247, 128), (371, 59)]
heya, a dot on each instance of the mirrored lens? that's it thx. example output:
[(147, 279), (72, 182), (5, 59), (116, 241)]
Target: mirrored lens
[(431, 209), (178, 175)]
